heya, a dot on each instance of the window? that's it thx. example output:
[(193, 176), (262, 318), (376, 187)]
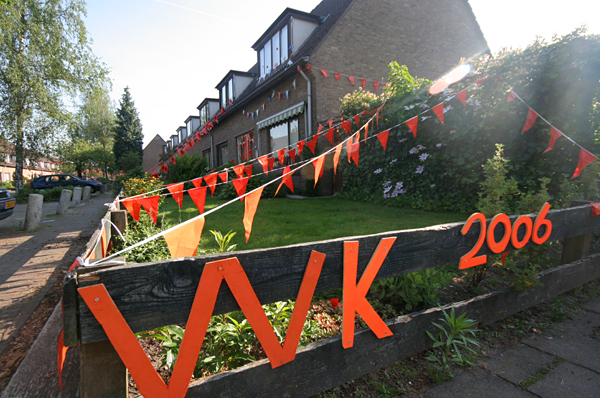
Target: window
[(275, 52), (230, 96), (222, 154), (223, 96), (206, 155), (284, 135), (245, 145), (227, 93)]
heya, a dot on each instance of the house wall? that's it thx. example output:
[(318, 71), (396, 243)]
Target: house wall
[(152, 153), (237, 124), (429, 36)]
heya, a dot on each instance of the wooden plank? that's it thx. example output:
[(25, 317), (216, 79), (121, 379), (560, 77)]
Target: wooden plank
[(70, 306), (325, 364), (103, 374), (157, 294)]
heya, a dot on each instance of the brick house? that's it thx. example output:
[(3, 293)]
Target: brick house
[(279, 101), (33, 165), (153, 151)]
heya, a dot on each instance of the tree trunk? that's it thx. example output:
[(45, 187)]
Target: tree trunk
[(19, 155)]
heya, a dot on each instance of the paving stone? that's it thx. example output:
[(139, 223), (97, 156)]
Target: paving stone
[(573, 341), (568, 380), (592, 305), (518, 363), (478, 383)]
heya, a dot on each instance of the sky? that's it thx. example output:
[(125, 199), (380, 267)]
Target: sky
[(172, 53)]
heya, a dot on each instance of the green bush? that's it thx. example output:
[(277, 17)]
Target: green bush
[(560, 80), (7, 184), (187, 168), (412, 291), (50, 195)]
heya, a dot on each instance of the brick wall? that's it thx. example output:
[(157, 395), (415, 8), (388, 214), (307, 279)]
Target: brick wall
[(152, 153), (429, 36), (237, 124)]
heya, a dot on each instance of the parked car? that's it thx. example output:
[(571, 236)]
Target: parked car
[(7, 204), (62, 180)]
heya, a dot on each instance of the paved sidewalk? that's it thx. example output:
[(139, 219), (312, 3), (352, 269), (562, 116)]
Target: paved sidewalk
[(563, 362), (28, 259)]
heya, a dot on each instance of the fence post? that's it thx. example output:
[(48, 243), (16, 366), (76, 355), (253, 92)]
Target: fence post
[(119, 219), (576, 247), (103, 374)]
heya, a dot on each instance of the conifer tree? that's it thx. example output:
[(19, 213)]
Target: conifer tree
[(128, 130)]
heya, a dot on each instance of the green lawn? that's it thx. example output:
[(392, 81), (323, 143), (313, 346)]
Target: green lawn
[(280, 222)]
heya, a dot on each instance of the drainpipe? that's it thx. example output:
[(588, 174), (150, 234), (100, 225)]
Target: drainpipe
[(212, 151), (309, 108)]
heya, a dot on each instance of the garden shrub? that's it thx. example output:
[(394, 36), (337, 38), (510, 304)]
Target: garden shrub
[(560, 80), (187, 168), (50, 195)]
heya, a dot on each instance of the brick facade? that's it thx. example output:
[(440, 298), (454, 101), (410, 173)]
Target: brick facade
[(152, 153)]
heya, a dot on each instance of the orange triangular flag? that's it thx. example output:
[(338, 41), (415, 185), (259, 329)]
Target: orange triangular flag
[(363, 82), (412, 125), (324, 72), (264, 162), (337, 75), (238, 170), (312, 143), (286, 179), (366, 130), (511, 96), (197, 182), (349, 148), (177, 192), (271, 162), (439, 111), (376, 84), (250, 210), (223, 176), (336, 157), (585, 158), (531, 118), (183, 241), (462, 96), (554, 135), (133, 207), (329, 135), (292, 155), (319, 129), (318, 163), (347, 126), (355, 152), (248, 170), (503, 257), (240, 186), (356, 137), (383, 138), (198, 195), (211, 181), (300, 146), (357, 120), (150, 204), (351, 78), (281, 156), (330, 122)]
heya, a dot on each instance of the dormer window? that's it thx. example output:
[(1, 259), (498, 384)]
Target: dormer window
[(275, 52)]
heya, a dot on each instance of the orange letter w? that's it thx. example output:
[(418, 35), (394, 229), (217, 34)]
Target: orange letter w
[(148, 380)]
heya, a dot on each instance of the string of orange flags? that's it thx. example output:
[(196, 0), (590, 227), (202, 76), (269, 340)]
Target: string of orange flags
[(352, 146), (585, 157), (337, 75), (183, 147)]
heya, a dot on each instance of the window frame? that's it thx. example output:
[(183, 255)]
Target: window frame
[(248, 151), (288, 123), (219, 147), (273, 53)]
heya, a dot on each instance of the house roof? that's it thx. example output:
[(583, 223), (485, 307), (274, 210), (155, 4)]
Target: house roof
[(157, 137), (191, 117)]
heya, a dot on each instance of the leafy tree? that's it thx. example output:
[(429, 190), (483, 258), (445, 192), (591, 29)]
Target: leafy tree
[(131, 160), (187, 168), (95, 121), (45, 60), (128, 135)]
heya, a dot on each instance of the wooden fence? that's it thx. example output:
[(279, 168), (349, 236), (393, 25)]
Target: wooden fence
[(157, 294)]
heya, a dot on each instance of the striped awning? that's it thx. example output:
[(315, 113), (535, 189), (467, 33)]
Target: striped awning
[(281, 116)]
